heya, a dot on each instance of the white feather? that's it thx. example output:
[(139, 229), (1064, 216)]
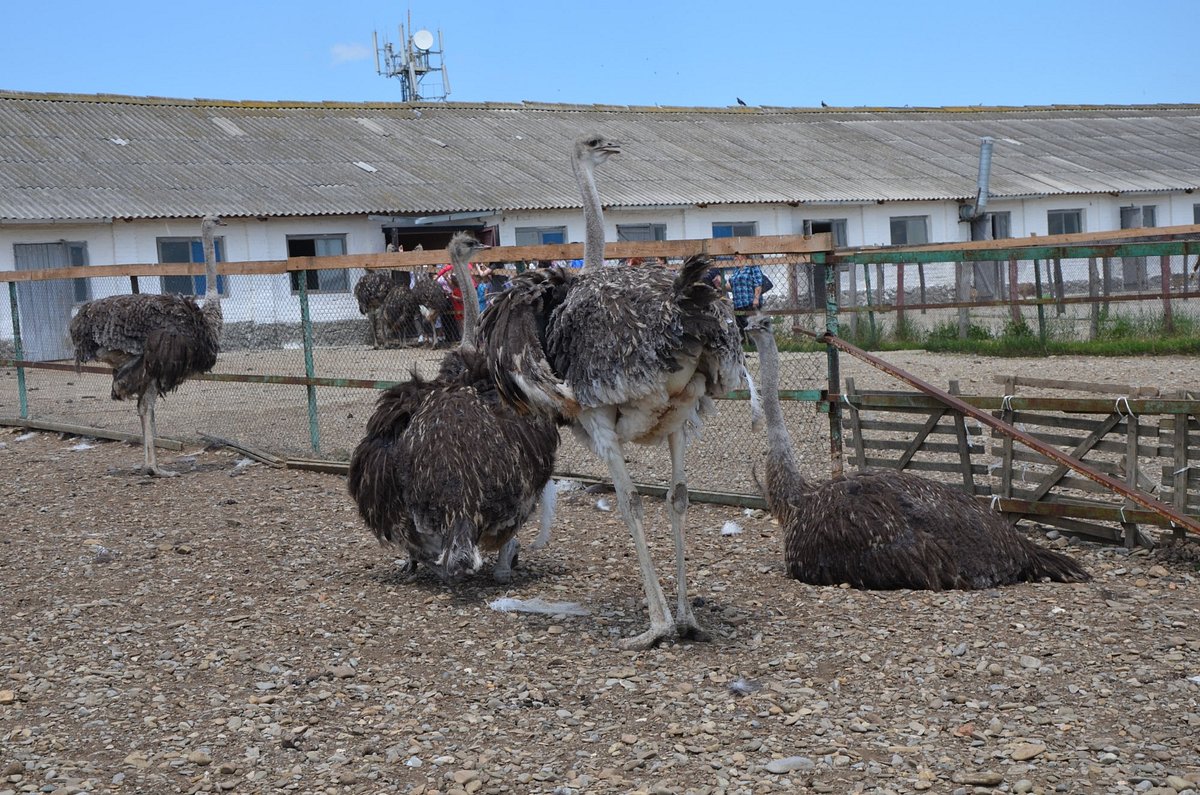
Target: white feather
[(731, 528), (508, 604)]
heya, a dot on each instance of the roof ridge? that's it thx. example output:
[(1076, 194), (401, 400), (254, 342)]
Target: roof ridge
[(535, 105)]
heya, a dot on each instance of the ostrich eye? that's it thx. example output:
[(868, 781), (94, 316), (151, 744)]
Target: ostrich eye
[(594, 142)]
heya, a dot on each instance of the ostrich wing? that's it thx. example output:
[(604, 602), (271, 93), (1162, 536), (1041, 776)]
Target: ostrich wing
[(122, 323), (512, 336)]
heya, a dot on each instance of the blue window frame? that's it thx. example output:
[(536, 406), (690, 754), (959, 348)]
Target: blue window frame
[(173, 250)]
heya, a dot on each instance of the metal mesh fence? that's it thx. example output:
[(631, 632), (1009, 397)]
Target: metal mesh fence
[(1061, 298), (272, 358)]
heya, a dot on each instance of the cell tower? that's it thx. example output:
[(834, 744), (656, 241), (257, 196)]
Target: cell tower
[(420, 68)]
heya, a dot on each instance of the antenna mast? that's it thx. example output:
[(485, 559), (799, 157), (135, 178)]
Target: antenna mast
[(419, 67)]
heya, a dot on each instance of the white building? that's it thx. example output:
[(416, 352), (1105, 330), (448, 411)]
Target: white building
[(100, 180)]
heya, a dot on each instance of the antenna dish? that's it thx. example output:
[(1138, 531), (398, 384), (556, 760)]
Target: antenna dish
[(422, 39)]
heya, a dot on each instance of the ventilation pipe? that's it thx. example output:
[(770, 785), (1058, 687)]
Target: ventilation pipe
[(985, 175)]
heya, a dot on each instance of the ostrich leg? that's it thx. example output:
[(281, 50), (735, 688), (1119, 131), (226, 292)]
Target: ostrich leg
[(149, 432), (677, 504), (629, 503), (506, 558)]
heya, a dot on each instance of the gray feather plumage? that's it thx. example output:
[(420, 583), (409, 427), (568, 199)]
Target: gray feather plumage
[(885, 529)]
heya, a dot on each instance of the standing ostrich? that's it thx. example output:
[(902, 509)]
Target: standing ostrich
[(447, 468), (628, 355), (389, 294), (884, 529), (435, 305), (153, 342)]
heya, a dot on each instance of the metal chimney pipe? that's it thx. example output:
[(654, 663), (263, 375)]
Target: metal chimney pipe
[(985, 174)]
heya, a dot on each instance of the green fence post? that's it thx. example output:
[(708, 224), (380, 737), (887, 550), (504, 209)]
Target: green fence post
[(18, 351), (833, 365), (314, 432), (1041, 308)]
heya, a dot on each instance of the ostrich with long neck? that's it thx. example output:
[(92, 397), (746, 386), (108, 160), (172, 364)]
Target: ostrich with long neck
[(446, 469), (886, 529), (626, 355), (153, 342)]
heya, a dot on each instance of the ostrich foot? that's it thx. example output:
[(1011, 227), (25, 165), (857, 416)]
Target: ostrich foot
[(686, 626), (506, 561), (648, 639), (408, 570), (159, 472)]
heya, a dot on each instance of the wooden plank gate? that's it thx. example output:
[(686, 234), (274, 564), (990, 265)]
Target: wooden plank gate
[(1149, 442)]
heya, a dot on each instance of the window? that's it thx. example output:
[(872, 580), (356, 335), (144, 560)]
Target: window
[(1064, 222), (735, 229), (1134, 217), (188, 249), (77, 258), (910, 230), (834, 226), (640, 232), (330, 280), (541, 235), (1001, 225), (1196, 213)]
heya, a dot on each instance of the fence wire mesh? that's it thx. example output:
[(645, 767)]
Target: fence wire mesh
[(343, 358)]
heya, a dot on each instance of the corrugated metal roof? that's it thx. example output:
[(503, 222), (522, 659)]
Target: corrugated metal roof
[(88, 156)]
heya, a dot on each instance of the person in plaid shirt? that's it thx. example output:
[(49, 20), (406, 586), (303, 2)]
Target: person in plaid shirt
[(746, 283)]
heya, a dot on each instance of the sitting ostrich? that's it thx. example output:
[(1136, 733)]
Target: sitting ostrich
[(153, 342), (447, 468), (885, 529), (627, 355)]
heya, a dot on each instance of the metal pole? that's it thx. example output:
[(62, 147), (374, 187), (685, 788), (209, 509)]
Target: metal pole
[(1041, 308), (314, 432), (18, 350), (836, 466)]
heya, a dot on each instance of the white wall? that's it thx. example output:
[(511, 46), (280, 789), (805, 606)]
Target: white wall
[(268, 299)]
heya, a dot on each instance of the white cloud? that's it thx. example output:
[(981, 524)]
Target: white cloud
[(350, 52)]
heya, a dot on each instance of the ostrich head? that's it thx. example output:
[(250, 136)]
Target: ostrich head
[(758, 327), (594, 149), (209, 221), (463, 245)]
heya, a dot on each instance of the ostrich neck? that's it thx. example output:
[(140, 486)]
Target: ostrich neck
[(462, 272), (593, 216), (211, 292), (781, 458)]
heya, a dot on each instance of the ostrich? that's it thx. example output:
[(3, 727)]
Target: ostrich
[(883, 529), (389, 294), (447, 468), (153, 342), (627, 355), (435, 304)]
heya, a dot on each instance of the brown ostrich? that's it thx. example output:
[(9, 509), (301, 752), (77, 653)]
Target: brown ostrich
[(446, 468), (153, 342), (884, 529)]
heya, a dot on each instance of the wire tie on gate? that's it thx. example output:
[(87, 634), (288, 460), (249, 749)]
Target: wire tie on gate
[(1181, 471), (1123, 519), (1006, 403), (995, 502), (1128, 411), (846, 400)]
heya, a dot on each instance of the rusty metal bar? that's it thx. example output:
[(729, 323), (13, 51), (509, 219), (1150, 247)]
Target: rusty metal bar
[(22, 395), (1053, 453)]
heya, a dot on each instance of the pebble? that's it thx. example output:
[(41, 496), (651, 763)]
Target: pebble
[(790, 764)]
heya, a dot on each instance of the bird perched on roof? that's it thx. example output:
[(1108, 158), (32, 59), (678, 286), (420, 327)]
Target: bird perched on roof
[(153, 342), (886, 529)]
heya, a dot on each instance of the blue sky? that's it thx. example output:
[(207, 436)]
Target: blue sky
[(701, 53)]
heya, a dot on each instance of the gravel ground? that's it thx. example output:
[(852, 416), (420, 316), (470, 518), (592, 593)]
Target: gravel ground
[(236, 629)]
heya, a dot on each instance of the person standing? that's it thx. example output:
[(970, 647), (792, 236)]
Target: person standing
[(746, 283)]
